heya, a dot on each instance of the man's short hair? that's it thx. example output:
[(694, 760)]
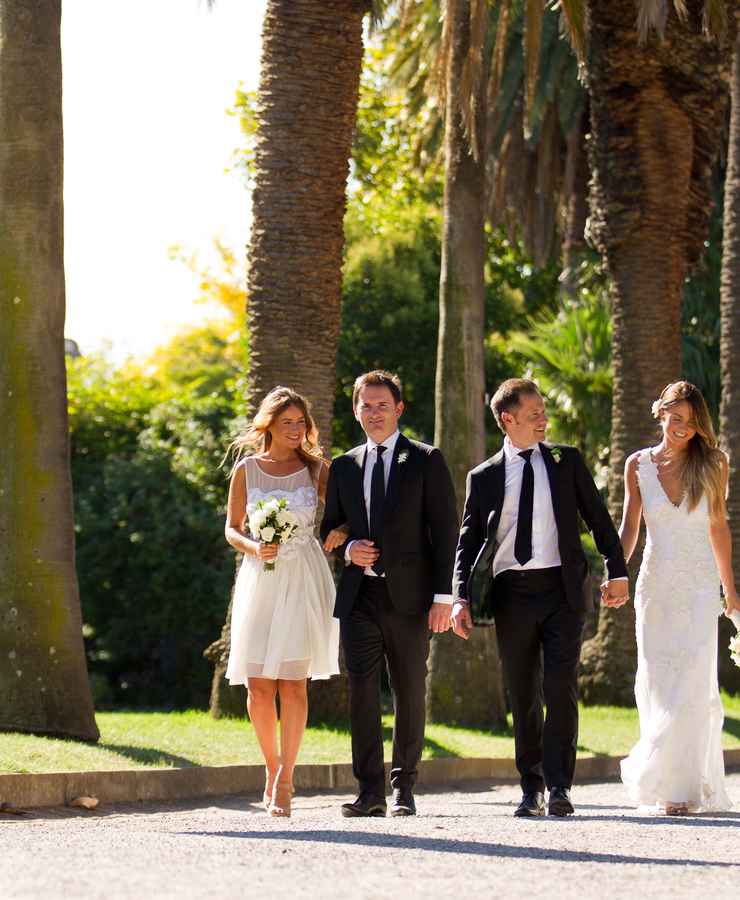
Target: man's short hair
[(508, 396), (378, 377)]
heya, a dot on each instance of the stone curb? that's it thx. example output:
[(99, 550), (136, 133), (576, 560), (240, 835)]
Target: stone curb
[(146, 785)]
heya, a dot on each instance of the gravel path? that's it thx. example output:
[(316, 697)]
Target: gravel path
[(464, 843)]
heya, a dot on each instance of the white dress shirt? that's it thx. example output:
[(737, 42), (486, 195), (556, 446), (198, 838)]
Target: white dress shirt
[(545, 553), (371, 456)]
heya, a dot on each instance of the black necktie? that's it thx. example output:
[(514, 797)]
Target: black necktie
[(523, 541), (377, 500)]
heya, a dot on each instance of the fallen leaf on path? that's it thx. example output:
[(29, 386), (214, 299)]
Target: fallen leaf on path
[(84, 802), (11, 810)]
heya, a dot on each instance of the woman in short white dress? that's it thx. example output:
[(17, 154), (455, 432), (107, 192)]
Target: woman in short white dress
[(282, 625), (679, 487)]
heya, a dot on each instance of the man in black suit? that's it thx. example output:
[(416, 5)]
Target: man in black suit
[(396, 497), (519, 557)]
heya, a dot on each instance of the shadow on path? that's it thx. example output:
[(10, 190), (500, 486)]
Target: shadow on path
[(440, 845)]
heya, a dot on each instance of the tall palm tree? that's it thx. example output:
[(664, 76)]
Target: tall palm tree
[(460, 388), (657, 107), (306, 112), (43, 679), (730, 307)]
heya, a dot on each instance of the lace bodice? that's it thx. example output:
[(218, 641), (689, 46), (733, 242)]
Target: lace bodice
[(679, 539), (298, 489)]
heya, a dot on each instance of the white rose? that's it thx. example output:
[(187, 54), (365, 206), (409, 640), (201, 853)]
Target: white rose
[(267, 534), (283, 518), (256, 521), (272, 506)]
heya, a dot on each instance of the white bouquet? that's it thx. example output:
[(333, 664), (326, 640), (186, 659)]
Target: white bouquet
[(735, 642), (272, 522)]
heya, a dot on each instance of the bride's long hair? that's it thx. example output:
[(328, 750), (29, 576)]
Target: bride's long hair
[(257, 437), (703, 470)]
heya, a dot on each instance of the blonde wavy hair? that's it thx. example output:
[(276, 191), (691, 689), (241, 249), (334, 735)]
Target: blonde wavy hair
[(257, 438), (703, 471)]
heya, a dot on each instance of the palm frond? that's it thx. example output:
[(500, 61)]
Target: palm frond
[(651, 14), (499, 50), (534, 12), (471, 78), (714, 20), (573, 23)]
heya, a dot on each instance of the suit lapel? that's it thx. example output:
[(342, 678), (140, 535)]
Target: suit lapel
[(553, 478), (357, 470), (395, 476), (498, 481)]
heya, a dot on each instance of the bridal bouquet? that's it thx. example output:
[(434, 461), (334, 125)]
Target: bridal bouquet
[(272, 522), (735, 642)]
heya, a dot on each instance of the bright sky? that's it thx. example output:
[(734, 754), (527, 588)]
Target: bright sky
[(146, 88)]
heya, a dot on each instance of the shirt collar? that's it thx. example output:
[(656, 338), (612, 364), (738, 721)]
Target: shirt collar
[(389, 443), (512, 453)]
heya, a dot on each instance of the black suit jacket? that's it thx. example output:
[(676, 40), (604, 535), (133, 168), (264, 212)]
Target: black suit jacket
[(573, 492), (420, 524)]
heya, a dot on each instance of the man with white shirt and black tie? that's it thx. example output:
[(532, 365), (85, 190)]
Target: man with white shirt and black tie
[(519, 558), (396, 499)]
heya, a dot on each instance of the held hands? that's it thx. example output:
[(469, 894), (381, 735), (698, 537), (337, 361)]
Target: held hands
[(614, 593), (266, 552), (462, 622), (439, 617)]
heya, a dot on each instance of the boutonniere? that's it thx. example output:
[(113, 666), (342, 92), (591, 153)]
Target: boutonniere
[(556, 453), (402, 457)]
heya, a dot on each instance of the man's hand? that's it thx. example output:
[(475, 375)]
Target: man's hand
[(363, 553), (462, 622), (439, 617), (615, 593)]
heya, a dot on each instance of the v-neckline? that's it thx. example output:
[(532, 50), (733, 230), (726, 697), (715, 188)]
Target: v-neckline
[(660, 483)]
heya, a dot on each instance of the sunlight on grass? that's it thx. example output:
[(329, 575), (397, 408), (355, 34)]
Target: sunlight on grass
[(193, 738)]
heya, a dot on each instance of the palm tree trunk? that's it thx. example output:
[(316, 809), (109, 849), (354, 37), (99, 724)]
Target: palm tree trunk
[(656, 114), (43, 679), (575, 193), (306, 109), (460, 388), (729, 415)]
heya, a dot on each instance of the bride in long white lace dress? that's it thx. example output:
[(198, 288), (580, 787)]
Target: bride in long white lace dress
[(679, 486), (282, 625)]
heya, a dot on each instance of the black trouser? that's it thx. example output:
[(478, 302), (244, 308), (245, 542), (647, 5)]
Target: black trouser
[(374, 631), (539, 638)]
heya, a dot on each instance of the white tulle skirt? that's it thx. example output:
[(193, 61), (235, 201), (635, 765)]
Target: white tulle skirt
[(281, 621)]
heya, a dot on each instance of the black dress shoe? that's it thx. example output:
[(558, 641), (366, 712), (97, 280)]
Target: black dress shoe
[(365, 805), (559, 802), (533, 804), (403, 803)]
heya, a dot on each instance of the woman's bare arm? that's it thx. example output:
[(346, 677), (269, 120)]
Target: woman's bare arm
[(629, 528), (236, 520), (721, 541)]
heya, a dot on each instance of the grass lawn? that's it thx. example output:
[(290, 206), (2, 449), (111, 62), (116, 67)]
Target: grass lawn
[(146, 739)]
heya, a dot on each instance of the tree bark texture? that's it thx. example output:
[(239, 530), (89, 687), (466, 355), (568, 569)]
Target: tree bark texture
[(656, 118), (43, 678), (575, 208), (307, 107), (729, 415), (460, 388)]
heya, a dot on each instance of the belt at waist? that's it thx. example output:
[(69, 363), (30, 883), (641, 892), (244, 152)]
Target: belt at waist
[(531, 580)]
